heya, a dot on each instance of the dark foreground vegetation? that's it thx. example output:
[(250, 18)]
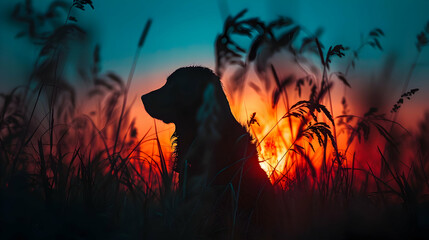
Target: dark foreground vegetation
[(67, 172)]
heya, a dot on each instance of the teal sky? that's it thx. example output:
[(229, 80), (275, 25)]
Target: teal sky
[(183, 33)]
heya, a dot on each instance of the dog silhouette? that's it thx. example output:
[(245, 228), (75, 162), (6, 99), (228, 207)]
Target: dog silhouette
[(212, 149)]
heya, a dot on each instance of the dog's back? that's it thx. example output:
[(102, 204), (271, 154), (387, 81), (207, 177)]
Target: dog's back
[(215, 154), (246, 182)]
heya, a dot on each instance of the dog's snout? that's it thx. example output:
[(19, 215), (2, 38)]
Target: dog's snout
[(147, 102), (157, 106), (143, 98), (151, 98)]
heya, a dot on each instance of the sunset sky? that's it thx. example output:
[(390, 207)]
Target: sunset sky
[(183, 34)]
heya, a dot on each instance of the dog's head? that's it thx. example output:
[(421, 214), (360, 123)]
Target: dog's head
[(182, 95)]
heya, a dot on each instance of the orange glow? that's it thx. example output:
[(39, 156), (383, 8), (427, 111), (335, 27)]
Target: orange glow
[(274, 136)]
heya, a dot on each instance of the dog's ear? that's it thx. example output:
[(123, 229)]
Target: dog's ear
[(221, 98), (209, 113), (214, 109)]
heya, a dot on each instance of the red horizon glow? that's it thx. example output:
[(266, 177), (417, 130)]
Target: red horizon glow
[(274, 146)]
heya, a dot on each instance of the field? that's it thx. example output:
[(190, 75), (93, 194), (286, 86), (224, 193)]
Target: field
[(76, 163)]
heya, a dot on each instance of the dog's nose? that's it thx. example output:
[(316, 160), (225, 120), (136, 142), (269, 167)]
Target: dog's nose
[(146, 99), (146, 104)]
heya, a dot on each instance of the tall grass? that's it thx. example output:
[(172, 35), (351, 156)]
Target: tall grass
[(79, 173)]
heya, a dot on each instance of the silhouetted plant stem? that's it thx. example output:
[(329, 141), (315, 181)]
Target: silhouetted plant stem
[(410, 73), (351, 63), (52, 105), (130, 77), (281, 159), (54, 92), (51, 108), (330, 100), (271, 129), (68, 14), (286, 100), (395, 114), (405, 85), (326, 83)]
